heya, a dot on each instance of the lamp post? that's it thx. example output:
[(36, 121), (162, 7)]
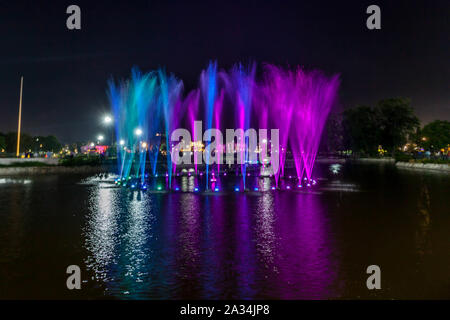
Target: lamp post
[(107, 121), (20, 117)]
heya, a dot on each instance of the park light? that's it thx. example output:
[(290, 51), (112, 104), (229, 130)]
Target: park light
[(100, 138), (138, 132), (122, 142), (107, 119), (144, 144)]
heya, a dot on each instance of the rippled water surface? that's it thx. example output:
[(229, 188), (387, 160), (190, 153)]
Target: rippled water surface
[(221, 245)]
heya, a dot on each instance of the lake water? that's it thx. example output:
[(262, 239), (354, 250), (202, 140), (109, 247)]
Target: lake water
[(228, 245)]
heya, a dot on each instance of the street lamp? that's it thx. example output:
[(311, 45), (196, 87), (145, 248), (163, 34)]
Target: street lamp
[(100, 138), (107, 119), (138, 132), (122, 142)]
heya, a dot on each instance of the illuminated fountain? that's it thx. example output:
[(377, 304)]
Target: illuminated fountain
[(299, 104), (132, 102), (240, 84), (208, 84), (150, 106)]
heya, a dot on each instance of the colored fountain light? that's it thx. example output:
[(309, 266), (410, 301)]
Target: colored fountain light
[(148, 107)]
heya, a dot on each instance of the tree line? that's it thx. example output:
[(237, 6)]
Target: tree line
[(388, 126), (8, 143)]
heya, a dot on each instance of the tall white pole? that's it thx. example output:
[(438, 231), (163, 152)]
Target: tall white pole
[(20, 117)]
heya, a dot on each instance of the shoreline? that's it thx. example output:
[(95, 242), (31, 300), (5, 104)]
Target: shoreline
[(423, 166), (8, 171), (374, 160)]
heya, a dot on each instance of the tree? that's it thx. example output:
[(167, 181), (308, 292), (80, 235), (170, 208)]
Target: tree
[(50, 143), (26, 142), (397, 120), (361, 130), (2, 142), (436, 135)]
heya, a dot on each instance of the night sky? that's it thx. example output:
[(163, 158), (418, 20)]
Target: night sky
[(65, 72)]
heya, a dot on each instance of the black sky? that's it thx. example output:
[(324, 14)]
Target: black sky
[(66, 71)]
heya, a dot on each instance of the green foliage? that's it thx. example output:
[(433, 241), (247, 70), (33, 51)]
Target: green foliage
[(26, 164), (403, 157), (2, 142), (81, 160), (436, 134), (27, 142), (397, 121), (437, 161), (361, 130), (388, 125)]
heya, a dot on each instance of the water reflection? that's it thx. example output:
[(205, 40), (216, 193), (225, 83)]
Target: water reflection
[(14, 181), (188, 248), (102, 232), (233, 245), (265, 234), (305, 255), (137, 231), (222, 245), (215, 245), (422, 234)]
